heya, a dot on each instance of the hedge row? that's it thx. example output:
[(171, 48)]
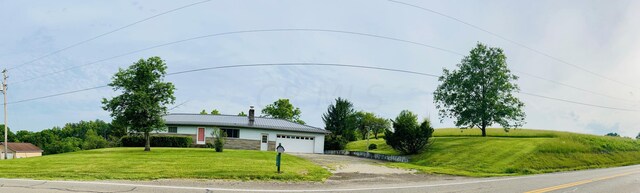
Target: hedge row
[(157, 141)]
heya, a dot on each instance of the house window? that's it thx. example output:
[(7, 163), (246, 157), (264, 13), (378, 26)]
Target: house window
[(264, 139), (232, 133), (173, 129)]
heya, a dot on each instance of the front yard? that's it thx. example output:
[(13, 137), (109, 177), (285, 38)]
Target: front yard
[(162, 163)]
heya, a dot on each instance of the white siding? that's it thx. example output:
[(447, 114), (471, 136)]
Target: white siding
[(256, 134)]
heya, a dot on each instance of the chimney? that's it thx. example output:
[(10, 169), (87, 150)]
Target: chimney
[(252, 115)]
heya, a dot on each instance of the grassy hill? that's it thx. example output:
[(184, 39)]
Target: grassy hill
[(520, 151), (135, 164)]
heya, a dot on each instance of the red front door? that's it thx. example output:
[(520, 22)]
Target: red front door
[(200, 134)]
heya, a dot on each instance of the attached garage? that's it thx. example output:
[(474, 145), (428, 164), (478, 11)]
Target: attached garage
[(298, 144)]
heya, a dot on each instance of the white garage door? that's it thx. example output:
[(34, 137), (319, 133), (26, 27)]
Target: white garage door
[(296, 144)]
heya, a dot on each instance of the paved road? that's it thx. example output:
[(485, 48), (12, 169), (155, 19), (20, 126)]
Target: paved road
[(621, 179)]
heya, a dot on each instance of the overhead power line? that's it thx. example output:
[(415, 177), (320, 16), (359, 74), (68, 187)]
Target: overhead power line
[(305, 30), (304, 64), (106, 33), (323, 64), (574, 87), (241, 32), (579, 103), (518, 44)]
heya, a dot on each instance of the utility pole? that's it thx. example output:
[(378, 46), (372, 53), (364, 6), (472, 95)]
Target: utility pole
[(4, 92)]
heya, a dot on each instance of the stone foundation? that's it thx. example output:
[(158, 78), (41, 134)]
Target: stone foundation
[(271, 146), (231, 143)]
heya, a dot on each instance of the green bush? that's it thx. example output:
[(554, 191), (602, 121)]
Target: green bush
[(373, 146), (69, 144), (409, 137), (93, 141), (335, 142), (157, 141), (209, 145), (219, 139)]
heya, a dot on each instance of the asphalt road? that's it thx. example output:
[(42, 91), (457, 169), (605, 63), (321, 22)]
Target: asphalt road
[(610, 180)]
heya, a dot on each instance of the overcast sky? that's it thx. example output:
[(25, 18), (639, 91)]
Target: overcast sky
[(599, 36)]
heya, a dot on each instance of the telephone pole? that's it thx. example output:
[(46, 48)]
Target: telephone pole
[(4, 92)]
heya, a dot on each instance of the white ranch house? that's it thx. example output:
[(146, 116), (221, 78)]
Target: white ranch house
[(248, 132)]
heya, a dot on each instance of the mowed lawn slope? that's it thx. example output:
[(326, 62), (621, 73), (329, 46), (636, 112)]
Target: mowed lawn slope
[(520, 151), (135, 164)]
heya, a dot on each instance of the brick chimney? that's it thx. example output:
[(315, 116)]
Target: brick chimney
[(252, 114)]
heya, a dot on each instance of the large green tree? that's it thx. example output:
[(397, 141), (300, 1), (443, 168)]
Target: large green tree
[(283, 109), (340, 119), (143, 99), (480, 92)]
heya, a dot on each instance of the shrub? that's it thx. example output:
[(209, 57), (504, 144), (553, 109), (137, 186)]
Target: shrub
[(157, 141), (408, 137), (335, 142), (219, 139), (373, 146), (208, 145), (69, 144), (93, 141)]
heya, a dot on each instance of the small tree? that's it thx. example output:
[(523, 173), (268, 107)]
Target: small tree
[(242, 114), (93, 141), (340, 120), (380, 125), (203, 112), (612, 135), (408, 136), (215, 112), (143, 99), (480, 92), (283, 109), (219, 138)]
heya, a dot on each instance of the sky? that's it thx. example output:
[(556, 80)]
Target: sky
[(582, 43)]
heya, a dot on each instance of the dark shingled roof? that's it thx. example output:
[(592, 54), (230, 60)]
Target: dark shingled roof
[(23, 147), (239, 121)]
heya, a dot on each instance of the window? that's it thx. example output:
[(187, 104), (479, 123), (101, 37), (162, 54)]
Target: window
[(264, 139), (173, 129), (232, 133), (294, 137)]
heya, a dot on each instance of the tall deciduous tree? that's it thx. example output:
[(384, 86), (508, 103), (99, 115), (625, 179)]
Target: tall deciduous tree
[(283, 109), (341, 121), (480, 92), (215, 112), (242, 114), (143, 99)]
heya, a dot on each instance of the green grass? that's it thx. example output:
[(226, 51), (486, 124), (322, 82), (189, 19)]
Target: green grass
[(162, 163), (361, 145), (521, 151)]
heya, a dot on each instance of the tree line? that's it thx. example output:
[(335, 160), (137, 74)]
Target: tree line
[(83, 135)]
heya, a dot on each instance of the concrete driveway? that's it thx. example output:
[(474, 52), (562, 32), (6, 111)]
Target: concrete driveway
[(350, 169)]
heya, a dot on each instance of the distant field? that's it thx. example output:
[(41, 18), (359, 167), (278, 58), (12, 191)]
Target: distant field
[(135, 164), (520, 151)]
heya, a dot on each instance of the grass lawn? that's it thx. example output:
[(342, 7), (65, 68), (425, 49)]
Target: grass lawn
[(517, 152), (135, 164), (361, 145)]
